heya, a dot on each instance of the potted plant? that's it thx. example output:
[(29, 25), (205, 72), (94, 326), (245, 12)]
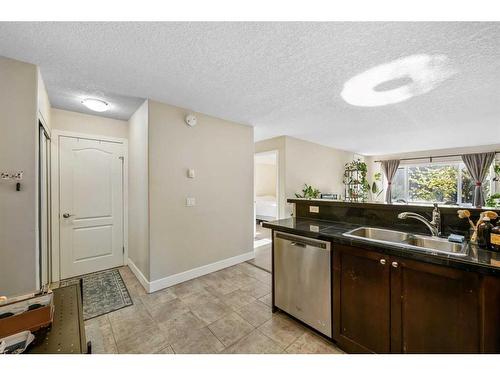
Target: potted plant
[(308, 192)]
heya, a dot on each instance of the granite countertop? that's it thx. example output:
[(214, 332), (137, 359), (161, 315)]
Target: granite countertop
[(477, 260)]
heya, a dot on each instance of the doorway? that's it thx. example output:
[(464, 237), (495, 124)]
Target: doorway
[(266, 202), (91, 201)]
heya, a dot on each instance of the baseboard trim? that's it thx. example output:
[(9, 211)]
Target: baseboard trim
[(197, 272), (140, 276), (262, 242)]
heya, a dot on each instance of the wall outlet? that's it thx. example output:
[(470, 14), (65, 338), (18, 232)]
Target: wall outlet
[(190, 201), (314, 209), (314, 228)]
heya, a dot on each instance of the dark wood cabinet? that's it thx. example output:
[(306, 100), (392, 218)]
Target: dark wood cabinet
[(434, 309), (388, 304), (490, 314), (361, 300)]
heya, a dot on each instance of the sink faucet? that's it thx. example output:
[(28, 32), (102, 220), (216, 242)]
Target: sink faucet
[(434, 225)]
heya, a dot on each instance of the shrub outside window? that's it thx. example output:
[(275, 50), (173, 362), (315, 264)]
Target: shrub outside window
[(446, 183)]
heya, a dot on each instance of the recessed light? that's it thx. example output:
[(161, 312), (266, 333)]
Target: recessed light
[(96, 105), (414, 75)]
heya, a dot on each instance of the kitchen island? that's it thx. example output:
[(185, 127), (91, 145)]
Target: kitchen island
[(390, 299)]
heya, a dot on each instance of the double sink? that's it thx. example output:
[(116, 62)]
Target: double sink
[(410, 241)]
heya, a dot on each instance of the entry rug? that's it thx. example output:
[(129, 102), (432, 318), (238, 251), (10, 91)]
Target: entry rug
[(103, 292)]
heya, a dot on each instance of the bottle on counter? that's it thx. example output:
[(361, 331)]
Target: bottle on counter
[(495, 237), (483, 233)]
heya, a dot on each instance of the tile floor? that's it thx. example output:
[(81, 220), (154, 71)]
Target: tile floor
[(223, 312), (263, 252)]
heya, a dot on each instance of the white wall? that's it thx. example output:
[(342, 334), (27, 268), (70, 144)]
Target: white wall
[(18, 145), (220, 226), (88, 124), (138, 190)]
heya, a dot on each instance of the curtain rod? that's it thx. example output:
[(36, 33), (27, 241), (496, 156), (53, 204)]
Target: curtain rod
[(430, 157)]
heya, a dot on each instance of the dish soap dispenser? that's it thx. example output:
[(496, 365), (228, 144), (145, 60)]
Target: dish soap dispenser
[(483, 233)]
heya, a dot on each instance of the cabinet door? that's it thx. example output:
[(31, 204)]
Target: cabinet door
[(434, 309), (490, 330), (361, 294)]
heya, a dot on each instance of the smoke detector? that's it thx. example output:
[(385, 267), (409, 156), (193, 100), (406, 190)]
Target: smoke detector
[(191, 120)]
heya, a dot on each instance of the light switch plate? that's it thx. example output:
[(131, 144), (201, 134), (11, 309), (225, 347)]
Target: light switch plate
[(190, 173), (314, 209), (190, 201)]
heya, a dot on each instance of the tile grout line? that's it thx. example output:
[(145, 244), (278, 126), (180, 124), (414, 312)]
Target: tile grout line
[(112, 332)]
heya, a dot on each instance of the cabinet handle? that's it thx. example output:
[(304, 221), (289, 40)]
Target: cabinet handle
[(382, 261), (395, 264)]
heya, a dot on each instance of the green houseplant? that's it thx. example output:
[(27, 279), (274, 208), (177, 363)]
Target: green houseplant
[(357, 185), (308, 192), (376, 190)]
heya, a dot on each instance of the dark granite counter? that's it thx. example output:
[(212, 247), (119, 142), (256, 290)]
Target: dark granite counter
[(477, 260)]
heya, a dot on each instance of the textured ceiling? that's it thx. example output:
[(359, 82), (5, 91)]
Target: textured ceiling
[(282, 78)]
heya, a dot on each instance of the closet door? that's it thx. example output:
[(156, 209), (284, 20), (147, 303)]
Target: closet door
[(44, 207)]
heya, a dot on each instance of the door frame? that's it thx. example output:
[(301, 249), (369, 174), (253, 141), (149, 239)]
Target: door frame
[(56, 135), (276, 153)]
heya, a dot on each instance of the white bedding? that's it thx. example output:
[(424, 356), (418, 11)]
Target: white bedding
[(266, 205)]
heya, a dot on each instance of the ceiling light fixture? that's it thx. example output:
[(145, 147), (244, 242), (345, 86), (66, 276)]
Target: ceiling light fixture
[(96, 105), (418, 74)]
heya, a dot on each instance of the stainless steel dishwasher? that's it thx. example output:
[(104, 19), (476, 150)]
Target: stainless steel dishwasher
[(302, 285)]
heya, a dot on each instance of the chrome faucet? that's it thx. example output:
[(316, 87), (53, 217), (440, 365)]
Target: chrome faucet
[(434, 225)]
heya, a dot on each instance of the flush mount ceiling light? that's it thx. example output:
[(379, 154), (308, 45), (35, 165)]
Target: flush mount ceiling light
[(96, 105), (398, 80)]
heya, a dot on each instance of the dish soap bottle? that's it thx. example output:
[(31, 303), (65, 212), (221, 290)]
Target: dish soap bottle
[(483, 233), (495, 237)]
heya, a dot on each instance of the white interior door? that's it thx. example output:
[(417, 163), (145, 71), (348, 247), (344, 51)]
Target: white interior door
[(90, 206)]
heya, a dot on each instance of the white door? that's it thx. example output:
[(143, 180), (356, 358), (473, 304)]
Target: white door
[(90, 206)]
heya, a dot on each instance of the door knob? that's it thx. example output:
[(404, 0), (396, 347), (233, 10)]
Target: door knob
[(67, 216), (395, 264), (382, 261)]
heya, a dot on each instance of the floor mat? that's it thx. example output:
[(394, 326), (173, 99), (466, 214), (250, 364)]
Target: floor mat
[(103, 292)]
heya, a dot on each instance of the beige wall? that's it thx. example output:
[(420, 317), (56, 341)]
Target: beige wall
[(18, 145), (88, 124), (265, 179), (303, 162), (316, 165), (44, 108), (220, 226), (138, 190)]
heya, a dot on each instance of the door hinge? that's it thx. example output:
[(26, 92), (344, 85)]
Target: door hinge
[(121, 158), (123, 249)]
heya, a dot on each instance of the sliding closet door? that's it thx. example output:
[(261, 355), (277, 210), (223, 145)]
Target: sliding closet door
[(44, 207)]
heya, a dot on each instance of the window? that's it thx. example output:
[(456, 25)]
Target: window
[(448, 183)]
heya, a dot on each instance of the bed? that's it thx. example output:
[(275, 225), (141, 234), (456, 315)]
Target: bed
[(266, 208)]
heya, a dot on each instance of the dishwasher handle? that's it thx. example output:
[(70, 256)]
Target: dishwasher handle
[(301, 241)]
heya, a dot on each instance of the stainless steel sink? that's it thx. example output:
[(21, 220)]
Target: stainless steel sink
[(440, 245), (376, 234), (411, 241)]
